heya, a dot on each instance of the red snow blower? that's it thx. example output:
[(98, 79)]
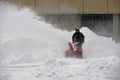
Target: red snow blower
[(71, 52)]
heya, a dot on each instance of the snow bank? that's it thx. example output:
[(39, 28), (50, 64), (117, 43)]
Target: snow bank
[(98, 46)]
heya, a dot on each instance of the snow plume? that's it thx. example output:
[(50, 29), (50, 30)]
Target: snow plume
[(31, 49), (24, 35)]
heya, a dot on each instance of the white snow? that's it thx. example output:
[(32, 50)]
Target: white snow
[(31, 49)]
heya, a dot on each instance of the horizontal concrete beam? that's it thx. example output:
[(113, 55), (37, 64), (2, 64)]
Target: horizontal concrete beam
[(72, 6)]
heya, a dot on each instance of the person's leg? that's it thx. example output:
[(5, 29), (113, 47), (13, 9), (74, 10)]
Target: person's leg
[(77, 46)]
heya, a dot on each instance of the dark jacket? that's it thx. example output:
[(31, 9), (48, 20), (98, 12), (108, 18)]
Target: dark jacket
[(78, 37)]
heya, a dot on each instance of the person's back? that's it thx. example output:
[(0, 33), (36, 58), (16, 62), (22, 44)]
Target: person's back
[(78, 38)]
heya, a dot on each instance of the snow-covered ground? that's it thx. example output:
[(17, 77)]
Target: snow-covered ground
[(31, 49)]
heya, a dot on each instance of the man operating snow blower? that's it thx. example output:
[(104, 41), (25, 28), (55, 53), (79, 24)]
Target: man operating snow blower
[(75, 48), (78, 39)]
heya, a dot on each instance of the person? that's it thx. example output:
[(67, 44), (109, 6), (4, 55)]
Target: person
[(78, 39)]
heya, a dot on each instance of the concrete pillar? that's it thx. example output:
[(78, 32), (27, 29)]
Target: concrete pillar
[(116, 27)]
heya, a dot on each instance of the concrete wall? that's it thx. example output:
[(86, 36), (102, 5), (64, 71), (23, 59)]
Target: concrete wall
[(114, 6), (52, 6), (22, 3), (72, 6), (47, 6)]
